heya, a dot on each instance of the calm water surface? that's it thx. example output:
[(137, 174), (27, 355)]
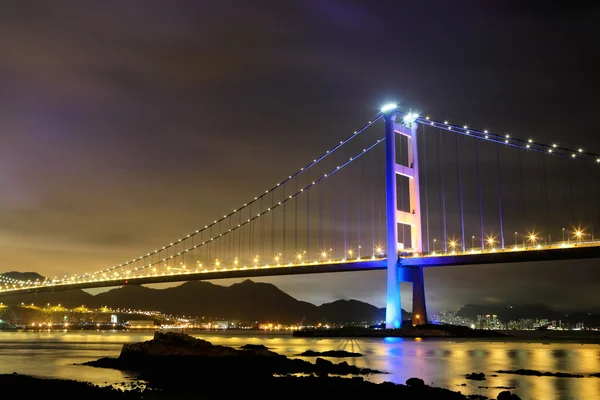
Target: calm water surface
[(439, 362)]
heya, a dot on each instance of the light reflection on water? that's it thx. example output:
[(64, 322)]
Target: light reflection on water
[(439, 362)]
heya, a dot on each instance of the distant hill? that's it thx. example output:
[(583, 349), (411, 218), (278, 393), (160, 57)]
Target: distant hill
[(247, 301), (510, 313), (24, 276)]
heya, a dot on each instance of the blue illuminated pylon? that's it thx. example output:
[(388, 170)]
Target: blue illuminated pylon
[(412, 217)]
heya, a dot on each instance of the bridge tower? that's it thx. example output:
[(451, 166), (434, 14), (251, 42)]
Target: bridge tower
[(412, 217)]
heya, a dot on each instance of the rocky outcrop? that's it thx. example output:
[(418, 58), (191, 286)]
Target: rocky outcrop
[(171, 350), (506, 395), (330, 353), (476, 376), (531, 372), (177, 365)]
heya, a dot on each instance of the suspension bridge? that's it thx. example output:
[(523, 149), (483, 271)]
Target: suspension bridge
[(402, 193)]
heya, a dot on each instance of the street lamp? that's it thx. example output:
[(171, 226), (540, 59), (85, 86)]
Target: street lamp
[(563, 235), (453, 245), (490, 241), (532, 238), (515, 239), (434, 240), (472, 243), (578, 234)]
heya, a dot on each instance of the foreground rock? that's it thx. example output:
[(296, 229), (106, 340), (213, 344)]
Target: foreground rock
[(26, 387), (176, 353), (330, 353), (180, 366), (531, 372)]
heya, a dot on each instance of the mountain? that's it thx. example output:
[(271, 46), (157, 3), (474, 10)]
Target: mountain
[(510, 313), (23, 276), (351, 311), (247, 301)]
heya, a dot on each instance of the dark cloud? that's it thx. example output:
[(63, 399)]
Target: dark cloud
[(126, 124)]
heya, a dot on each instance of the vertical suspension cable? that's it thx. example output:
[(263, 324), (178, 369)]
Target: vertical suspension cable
[(358, 209), (500, 196), (443, 189), (345, 224), (262, 231), (571, 200), (425, 184), (523, 215), (251, 245), (334, 217), (284, 230), (597, 202), (460, 195), (308, 219), (243, 241), (296, 219), (545, 189), (321, 233), (272, 225), (479, 194), (371, 173)]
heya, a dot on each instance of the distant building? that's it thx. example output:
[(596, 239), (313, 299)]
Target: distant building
[(142, 324)]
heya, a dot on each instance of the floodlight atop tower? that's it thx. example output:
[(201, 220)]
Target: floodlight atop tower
[(389, 107), (410, 118)]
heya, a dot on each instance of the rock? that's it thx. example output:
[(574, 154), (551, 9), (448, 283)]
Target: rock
[(254, 347), (476, 376), (330, 353), (415, 382), (506, 395), (532, 372)]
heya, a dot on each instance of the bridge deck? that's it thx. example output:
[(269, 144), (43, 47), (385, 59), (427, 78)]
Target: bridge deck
[(584, 251)]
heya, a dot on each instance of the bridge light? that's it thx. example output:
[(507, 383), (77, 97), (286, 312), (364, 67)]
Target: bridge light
[(410, 118), (324, 254), (532, 238), (379, 250), (580, 150), (388, 107)]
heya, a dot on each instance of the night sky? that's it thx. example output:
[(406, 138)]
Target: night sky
[(126, 124)]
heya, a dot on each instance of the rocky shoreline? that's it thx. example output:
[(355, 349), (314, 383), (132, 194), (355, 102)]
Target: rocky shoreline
[(178, 366)]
